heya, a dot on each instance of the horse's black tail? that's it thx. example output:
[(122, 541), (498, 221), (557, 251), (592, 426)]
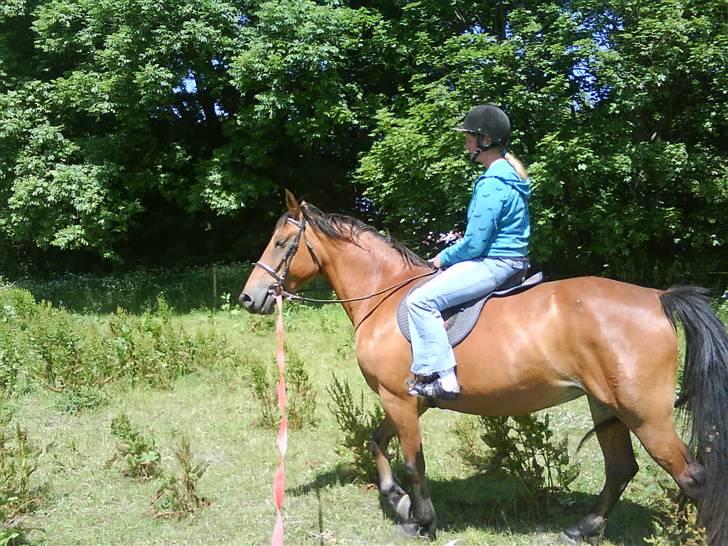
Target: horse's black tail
[(704, 393)]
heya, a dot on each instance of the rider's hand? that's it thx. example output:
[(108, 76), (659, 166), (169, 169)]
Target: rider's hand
[(435, 261)]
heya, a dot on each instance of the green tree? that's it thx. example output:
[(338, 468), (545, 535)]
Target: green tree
[(621, 113), (133, 130), (118, 122)]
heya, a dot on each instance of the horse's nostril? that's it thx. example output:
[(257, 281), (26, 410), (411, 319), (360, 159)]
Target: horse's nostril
[(246, 300)]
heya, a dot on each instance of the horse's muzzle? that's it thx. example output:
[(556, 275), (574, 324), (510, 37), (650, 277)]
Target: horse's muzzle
[(257, 300)]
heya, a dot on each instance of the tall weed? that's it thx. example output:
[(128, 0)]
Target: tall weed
[(149, 349), (138, 451), (263, 390), (55, 339), (357, 423), (18, 462), (178, 496), (301, 393), (525, 448), (47, 346), (11, 364), (299, 389), (17, 308), (677, 522)]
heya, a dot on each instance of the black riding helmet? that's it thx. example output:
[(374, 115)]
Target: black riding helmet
[(487, 120)]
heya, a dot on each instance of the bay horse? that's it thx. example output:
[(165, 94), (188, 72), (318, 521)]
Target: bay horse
[(614, 342)]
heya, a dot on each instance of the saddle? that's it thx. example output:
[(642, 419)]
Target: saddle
[(461, 319)]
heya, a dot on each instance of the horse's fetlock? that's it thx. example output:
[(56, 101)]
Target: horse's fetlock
[(692, 481), (387, 487), (410, 529), (697, 472), (425, 516)]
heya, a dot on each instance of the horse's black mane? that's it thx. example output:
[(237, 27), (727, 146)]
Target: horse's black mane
[(345, 228)]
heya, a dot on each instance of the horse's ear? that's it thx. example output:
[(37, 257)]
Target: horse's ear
[(292, 204)]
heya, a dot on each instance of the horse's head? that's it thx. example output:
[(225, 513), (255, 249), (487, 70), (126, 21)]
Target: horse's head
[(284, 263)]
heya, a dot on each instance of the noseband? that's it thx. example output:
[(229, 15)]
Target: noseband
[(285, 263)]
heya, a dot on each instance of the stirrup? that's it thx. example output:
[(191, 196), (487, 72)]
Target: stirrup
[(418, 381), (433, 389)]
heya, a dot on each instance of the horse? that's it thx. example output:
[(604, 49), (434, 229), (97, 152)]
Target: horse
[(611, 341)]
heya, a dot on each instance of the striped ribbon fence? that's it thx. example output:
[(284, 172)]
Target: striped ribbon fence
[(280, 478)]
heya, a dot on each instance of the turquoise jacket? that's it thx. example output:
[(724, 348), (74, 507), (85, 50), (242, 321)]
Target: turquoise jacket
[(498, 223)]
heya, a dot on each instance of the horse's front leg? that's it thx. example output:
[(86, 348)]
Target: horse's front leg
[(389, 487), (403, 416)]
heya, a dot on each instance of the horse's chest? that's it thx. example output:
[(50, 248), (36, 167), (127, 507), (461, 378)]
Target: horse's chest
[(384, 360)]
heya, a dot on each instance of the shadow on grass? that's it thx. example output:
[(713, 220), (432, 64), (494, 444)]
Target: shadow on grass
[(489, 503), (341, 475)]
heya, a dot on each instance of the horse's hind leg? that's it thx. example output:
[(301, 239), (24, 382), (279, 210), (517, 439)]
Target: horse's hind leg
[(620, 467), (397, 498), (662, 442)]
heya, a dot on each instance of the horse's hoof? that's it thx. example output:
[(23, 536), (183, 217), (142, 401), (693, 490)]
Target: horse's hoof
[(409, 529), (403, 508), (566, 539), (412, 529), (588, 530)]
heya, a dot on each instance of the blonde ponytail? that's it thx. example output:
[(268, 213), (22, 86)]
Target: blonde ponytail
[(519, 167)]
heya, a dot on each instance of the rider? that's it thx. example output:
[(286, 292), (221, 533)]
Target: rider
[(493, 249)]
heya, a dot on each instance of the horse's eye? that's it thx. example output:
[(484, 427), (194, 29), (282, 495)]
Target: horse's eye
[(280, 243)]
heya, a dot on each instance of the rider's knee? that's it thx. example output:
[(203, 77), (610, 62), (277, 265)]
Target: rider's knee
[(418, 302)]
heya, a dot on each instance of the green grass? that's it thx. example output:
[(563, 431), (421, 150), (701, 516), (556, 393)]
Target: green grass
[(87, 502), (90, 504)]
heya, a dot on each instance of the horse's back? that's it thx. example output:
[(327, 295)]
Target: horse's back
[(570, 302)]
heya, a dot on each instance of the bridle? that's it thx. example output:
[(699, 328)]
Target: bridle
[(285, 265)]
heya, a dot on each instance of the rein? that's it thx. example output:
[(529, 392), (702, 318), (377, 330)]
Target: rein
[(296, 297), (285, 263)]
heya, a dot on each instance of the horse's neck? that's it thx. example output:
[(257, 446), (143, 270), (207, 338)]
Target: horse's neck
[(355, 271)]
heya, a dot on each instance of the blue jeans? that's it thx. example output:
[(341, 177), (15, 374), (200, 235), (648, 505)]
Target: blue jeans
[(462, 282)]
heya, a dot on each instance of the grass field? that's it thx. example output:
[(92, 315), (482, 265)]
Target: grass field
[(86, 501)]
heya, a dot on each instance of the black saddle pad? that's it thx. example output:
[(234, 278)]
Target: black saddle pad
[(460, 320)]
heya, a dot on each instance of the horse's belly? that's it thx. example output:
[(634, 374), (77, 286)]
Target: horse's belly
[(515, 401)]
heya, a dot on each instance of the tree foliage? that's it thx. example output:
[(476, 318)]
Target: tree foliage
[(134, 130), (621, 114)]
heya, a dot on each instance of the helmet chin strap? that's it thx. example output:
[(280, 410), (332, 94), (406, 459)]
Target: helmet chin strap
[(483, 148)]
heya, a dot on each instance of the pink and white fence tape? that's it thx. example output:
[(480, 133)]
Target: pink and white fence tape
[(280, 479)]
